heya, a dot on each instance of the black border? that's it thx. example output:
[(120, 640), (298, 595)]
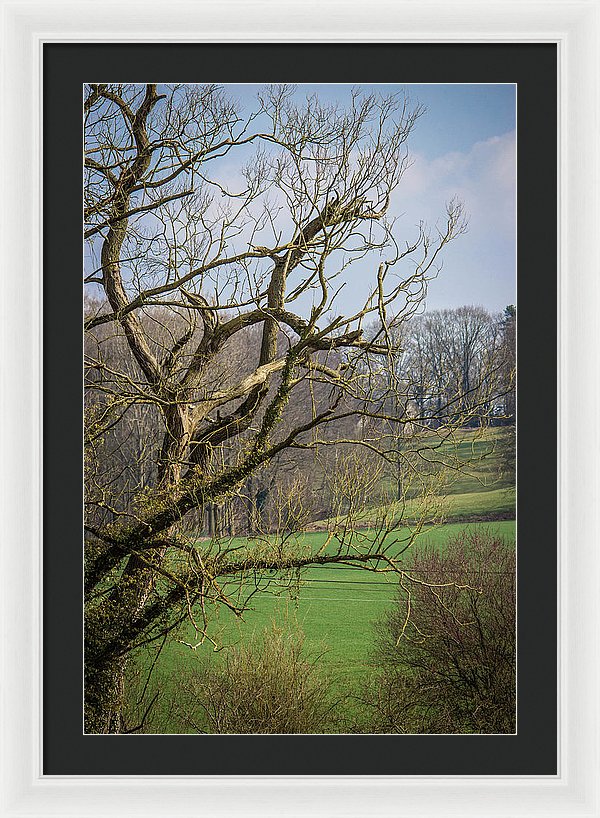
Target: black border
[(534, 750)]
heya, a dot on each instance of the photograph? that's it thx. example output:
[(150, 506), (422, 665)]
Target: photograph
[(300, 408)]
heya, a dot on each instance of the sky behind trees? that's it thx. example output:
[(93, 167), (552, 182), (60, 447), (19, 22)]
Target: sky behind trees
[(463, 146)]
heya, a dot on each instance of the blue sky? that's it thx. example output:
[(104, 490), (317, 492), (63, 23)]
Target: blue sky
[(465, 146)]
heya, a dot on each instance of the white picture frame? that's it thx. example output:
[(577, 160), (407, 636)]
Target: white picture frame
[(575, 26)]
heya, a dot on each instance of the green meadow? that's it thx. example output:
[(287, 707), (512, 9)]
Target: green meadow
[(334, 607)]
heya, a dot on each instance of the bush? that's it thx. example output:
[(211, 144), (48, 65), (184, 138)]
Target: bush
[(445, 654), (265, 686)]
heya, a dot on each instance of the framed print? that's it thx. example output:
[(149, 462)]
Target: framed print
[(538, 82), (338, 498)]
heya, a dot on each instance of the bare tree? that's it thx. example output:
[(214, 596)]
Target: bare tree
[(218, 245)]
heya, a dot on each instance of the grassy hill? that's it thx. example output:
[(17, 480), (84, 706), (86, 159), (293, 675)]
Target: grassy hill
[(476, 506)]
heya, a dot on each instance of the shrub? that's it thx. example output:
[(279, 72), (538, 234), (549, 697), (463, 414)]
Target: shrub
[(267, 685), (445, 654)]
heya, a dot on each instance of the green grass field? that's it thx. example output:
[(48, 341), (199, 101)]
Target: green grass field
[(335, 607), (482, 457), (476, 506)]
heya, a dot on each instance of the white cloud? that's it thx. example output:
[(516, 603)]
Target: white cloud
[(483, 178), (479, 267)]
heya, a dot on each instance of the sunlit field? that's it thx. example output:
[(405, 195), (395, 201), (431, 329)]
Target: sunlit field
[(335, 608)]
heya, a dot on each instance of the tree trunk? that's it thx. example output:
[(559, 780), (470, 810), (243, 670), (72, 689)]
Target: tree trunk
[(251, 521), (104, 696), (108, 638)]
